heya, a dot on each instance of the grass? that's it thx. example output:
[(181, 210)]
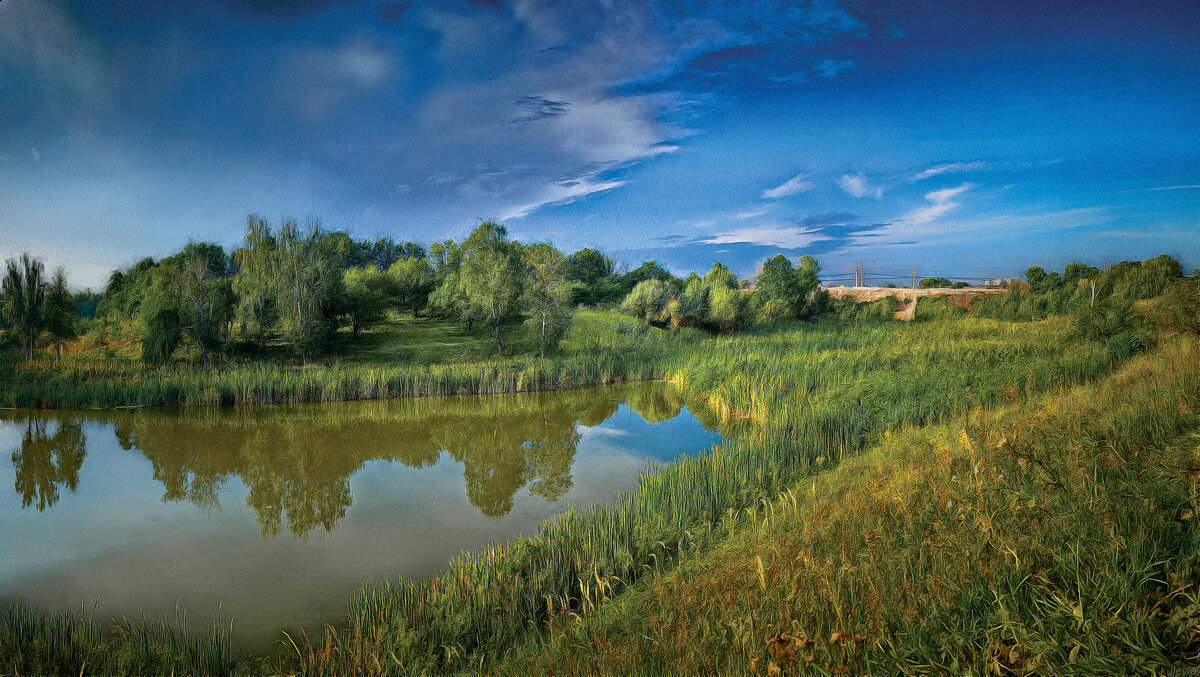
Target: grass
[(1052, 536), (61, 644)]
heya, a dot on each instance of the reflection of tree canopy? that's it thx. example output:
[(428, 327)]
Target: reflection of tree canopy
[(297, 460), (45, 462)]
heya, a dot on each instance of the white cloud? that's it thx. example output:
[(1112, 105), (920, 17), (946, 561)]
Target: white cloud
[(940, 202), (948, 167), (799, 183), (789, 237), (561, 193), (858, 186)]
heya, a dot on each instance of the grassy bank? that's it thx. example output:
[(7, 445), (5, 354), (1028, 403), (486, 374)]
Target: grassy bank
[(1052, 536)]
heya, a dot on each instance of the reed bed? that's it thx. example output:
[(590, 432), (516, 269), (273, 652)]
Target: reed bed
[(62, 644), (122, 385), (818, 395)]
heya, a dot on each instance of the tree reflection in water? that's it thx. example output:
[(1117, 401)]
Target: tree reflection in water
[(45, 462), (297, 460)]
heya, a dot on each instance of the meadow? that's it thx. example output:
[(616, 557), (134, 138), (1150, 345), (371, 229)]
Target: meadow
[(813, 396)]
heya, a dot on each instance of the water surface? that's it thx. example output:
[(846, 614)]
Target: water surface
[(276, 515)]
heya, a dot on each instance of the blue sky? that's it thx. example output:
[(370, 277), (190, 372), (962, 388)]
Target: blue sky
[(964, 138)]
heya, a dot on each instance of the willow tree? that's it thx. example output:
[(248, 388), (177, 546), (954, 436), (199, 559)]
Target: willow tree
[(255, 284), (547, 297), (309, 277), (492, 275), (24, 293), (205, 296)]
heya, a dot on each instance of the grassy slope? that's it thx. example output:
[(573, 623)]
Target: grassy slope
[(1055, 536)]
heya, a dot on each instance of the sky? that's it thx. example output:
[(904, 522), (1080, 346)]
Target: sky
[(961, 138)]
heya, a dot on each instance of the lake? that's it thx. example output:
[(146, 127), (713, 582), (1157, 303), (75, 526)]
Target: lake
[(275, 515)]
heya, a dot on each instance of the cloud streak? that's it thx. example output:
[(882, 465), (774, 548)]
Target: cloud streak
[(799, 183), (937, 170)]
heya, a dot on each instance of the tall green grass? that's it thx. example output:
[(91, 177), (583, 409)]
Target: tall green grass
[(32, 643)]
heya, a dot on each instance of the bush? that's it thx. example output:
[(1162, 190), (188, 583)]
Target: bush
[(1125, 345)]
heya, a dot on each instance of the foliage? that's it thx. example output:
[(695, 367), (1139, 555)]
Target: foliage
[(649, 300), (24, 293), (255, 284), (60, 312), (785, 292), (492, 275), (593, 273), (366, 293), (934, 283), (310, 278), (412, 281), (547, 297)]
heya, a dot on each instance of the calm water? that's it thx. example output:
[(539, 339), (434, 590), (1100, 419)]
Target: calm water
[(276, 515)]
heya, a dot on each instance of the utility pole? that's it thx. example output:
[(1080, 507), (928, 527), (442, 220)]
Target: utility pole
[(914, 277)]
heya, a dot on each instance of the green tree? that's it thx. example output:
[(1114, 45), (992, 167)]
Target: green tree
[(547, 297), (779, 295), (649, 270), (720, 276), (205, 295), (412, 281), (593, 273), (934, 282), (729, 309), (24, 293), (309, 277), (161, 321), (60, 312), (367, 292), (256, 284), (650, 300), (449, 298), (691, 308), (492, 275)]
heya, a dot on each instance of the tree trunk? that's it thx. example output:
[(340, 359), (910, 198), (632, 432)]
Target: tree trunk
[(58, 351), (499, 345), (543, 335)]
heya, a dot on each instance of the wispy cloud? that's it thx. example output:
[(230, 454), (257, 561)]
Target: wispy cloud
[(948, 167), (799, 183), (1172, 188), (561, 193), (788, 237), (858, 186), (940, 202)]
